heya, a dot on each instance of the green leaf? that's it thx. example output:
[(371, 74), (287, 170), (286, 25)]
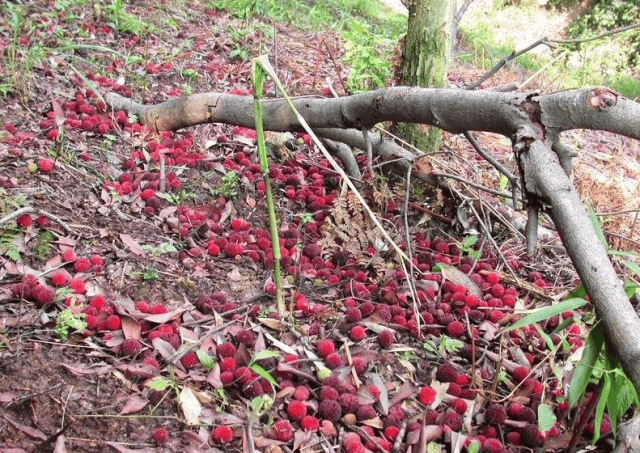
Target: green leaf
[(546, 417), (630, 288), (358, 27), (205, 359), (548, 312), (577, 293), (158, 383), (602, 402), (584, 369), (266, 354), (547, 339), (473, 447), (264, 373), (596, 226)]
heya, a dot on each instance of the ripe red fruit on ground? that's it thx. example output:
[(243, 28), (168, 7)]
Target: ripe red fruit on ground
[(142, 306), (130, 347), (96, 260), (456, 329), (360, 365), (492, 278), (350, 441), (226, 349), (112, 322), (492, 445), (459, 405), (222, 434), (189, 360), (147, 193), (309, 423), (520, 374), (453, 420), (69, 255), (302, 393), (228, 364), (358, 333), (52, 134), (531, 436), (283, 430), (46, 165), (353, 314), (496, 413), (385, 338), (391, 432), (328, 393), (157, 309), (24, 221), (330, 410), (349, 403), (325, 347), (427, 395), (513, 438), (160, 435), (82, 265), (333, 360), (296, 410), (78, 286), (365, 412), (232, 249), (59, 278), (151, 362), (42, 294), (446, 373)]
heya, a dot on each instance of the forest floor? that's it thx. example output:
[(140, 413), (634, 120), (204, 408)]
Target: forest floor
[(136, 306)]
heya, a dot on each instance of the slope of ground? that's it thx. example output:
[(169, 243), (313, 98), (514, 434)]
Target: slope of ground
[(136, 306)]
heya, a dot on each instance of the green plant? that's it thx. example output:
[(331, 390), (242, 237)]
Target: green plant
[(68, 320), (156, 251), (368, 57), (189, 74), (257, 368), (151, 273), (467, 246), (176, 198), (43, 247), (444, 344), (9, 244), (124, 22), (228, 187)]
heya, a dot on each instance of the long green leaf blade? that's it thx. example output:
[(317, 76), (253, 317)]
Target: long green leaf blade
[(548, 312), (584, 369)]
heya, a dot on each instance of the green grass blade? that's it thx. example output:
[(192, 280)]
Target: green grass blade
[(547, 312), (584, 369)]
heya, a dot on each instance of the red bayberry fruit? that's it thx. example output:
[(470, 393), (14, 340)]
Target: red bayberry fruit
[(520, 374), (42, 294), (385, 338), (365, 412), (531, 436), (427, 395), (358, 333), (349, 403), (189, 360), (46, 165), (333, 360), (226, 349), (296, 410), (157, 309), (446, 373), (112, 322), (353, 314), (459, 405), (492, 445), (496, 413), (492, 278), (150, 361), (330, 410), (77, 285), (160, 435), (69, 255), (228, 364), (24, 221), (222, 434), (456, 329), (328, 393), (59, 278), (325, 347), (82, 265), (452, 419), (309, 423), (283, 430), (232, 249), (130, 347)]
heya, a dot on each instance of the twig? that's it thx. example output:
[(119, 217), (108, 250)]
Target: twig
[(31, 210), (513, 179), (472, 184), (367, 144)]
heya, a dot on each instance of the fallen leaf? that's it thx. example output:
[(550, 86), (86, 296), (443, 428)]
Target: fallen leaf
[(134, 404), (132, 244), (191, 407), (82, 369), (28, 430), (457, 277), (60, 446), (131, 328)]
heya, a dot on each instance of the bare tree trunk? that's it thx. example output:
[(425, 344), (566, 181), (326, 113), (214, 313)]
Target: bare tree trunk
[(425, 60)]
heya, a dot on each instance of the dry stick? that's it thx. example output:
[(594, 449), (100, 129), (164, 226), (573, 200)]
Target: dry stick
[(336, 67), (472, 184), (400, 437), (367, 143), (264, 62), (414, 293), (28, 209)]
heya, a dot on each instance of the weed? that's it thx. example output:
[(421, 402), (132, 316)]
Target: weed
[(176, 198), (228, 187), (189, 74), (44, 248), (9, 240), (155, 252), (68, 320), (467, 246)]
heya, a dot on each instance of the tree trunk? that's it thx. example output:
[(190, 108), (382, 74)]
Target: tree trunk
[(532, 122), (425, 60)]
